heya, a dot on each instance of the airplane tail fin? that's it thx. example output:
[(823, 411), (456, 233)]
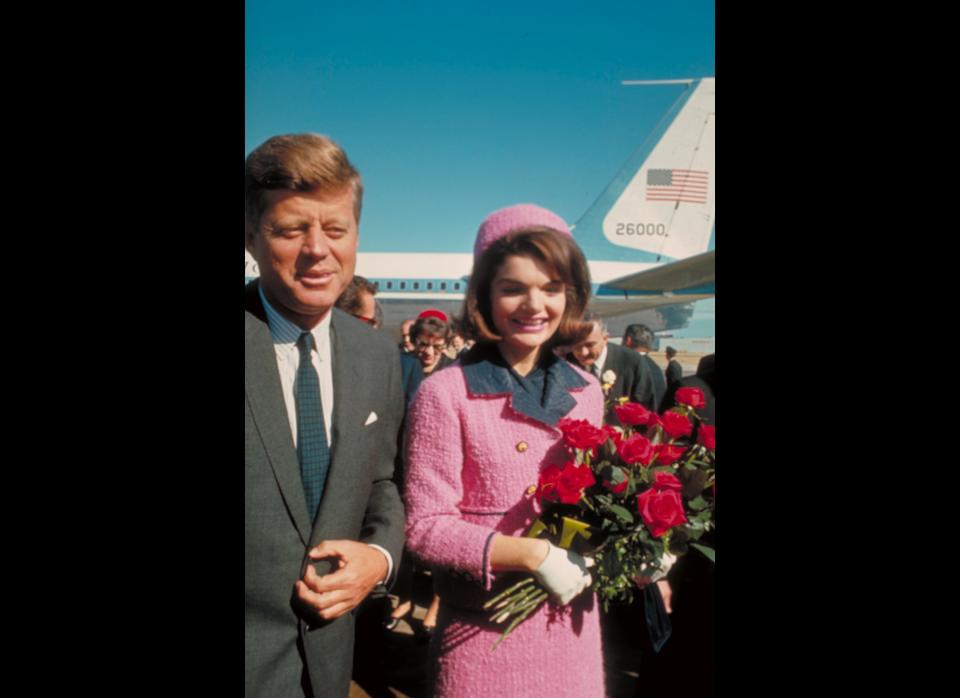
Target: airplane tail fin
[(660, 206)]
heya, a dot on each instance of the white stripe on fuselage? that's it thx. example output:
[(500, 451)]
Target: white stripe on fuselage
[(411, 266)]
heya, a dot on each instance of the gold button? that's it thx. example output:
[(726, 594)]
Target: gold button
[(522, 446)]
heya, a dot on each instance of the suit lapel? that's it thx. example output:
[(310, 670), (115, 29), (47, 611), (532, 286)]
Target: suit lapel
[(610, 364), (614, 364), (262, 381)]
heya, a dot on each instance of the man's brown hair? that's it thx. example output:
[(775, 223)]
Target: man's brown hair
[(350, 301), (298, 162)]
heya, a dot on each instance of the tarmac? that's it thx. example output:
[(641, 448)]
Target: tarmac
[(688, 360)]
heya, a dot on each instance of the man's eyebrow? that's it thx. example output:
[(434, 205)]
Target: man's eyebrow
[(287, 221)]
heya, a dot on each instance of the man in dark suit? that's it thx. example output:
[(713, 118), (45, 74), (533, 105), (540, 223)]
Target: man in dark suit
[(621, 372), (323, 519), (640, 338), (624, 374), (674, 369), (692, 581)]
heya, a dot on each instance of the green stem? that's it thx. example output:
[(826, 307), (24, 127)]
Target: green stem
[(519, 608), (513, 601), (522, 582), (519, 619)]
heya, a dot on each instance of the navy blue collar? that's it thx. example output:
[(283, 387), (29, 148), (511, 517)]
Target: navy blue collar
[(487, 373)]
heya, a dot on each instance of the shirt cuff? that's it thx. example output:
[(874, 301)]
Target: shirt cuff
[(389, 562)]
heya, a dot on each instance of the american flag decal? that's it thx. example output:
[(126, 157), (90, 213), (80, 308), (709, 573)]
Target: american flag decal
[(688, 186)]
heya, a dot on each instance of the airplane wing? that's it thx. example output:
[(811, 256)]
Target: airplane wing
[(681, 282), (694, 273)]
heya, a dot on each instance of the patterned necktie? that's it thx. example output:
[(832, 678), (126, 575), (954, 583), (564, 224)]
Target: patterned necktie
[(312, 449), (596, 370)]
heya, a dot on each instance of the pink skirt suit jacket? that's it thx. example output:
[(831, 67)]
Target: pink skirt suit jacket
[(475, 444)]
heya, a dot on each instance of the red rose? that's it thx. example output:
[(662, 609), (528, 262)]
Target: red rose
[(617, 489), (573, 480), (579, 433), (632, 413), (653, 421), (547, 485), (661, 510), (636, 449), (667, 454), (667, 481), (707, 436), (610, 476), (676, 424), (692, 397), (613, 434)]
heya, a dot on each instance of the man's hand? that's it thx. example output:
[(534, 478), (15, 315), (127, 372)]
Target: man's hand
[(359, 569), (667, 593), (649, 575)]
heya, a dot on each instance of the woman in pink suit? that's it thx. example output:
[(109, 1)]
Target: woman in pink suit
[(478, 435)]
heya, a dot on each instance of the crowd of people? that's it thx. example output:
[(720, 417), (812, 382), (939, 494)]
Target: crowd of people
[(370, 468)]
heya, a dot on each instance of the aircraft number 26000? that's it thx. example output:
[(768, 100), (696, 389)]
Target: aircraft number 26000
[(642, 229)]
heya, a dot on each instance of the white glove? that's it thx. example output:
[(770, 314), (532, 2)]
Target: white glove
[(563, 573), (655, 574)]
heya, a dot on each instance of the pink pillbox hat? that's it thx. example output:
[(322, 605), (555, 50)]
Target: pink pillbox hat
[(513, 218)]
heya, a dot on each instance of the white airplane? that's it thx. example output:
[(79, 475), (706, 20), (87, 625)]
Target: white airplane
[(649, 239)]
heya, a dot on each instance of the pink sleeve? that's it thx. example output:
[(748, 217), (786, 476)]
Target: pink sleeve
[(591, 398), (596, 405), (436, 530)]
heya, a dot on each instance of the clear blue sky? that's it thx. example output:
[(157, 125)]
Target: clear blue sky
[(453, 109)]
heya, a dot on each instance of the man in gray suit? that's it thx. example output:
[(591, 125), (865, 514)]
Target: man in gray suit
[(622, 372), (323, 519)]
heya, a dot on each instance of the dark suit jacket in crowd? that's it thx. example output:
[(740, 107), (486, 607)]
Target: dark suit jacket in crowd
[(289, 652), (674, 372), (634, 379), (656, 375), (412, 375), (705, 380)]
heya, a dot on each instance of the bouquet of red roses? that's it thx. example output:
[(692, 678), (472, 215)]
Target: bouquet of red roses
[(627, 497)]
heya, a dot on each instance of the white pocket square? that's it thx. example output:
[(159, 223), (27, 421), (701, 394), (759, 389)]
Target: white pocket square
[(371, 419)]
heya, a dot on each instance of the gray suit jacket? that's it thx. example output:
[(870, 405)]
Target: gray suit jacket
[(287, 652)]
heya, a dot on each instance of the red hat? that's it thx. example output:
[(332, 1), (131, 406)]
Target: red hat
[(432, 312)]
